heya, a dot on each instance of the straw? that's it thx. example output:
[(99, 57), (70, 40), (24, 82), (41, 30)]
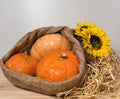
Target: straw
[(101, 77)]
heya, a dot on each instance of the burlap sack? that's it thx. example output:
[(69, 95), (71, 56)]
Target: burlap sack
[(36, 84)]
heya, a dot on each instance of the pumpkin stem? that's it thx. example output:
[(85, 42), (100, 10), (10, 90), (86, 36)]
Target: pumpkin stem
[(63, 56)]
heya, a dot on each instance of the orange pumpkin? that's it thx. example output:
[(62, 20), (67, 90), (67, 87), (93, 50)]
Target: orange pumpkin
[(22, 63), (58, 66), (48, 43)]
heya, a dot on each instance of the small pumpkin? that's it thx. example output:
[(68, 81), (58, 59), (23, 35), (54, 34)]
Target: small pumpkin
[(48, 43), (22, 63), (58, 66)]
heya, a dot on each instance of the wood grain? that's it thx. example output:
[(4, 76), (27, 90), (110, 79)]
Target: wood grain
[(8, 91)]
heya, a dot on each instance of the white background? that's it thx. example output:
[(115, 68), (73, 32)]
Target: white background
[(17, 17)]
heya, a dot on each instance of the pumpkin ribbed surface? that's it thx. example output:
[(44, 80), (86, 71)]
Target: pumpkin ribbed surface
[(22, 63), (49, 43), (58, 66)]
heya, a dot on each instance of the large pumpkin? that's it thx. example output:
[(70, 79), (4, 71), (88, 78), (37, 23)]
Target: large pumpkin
[(48, 43), (58, 66)]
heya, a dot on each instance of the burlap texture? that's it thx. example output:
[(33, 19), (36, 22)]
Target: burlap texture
[(36, 84)]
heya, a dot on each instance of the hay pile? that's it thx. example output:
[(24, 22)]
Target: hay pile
[(102, 76)]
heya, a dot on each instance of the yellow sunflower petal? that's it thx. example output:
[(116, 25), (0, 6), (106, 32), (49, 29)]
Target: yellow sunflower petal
[(94, 39)]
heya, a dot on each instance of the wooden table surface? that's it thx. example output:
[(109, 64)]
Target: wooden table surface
[(8, 91)]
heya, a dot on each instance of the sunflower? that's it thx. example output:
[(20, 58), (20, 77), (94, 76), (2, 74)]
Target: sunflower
[(93, 39), (82, 26)]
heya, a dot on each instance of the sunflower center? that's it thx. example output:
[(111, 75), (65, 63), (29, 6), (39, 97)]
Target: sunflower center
[(95, 41), (83, 27)]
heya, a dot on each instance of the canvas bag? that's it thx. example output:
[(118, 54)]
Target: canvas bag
[(34, 83)]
